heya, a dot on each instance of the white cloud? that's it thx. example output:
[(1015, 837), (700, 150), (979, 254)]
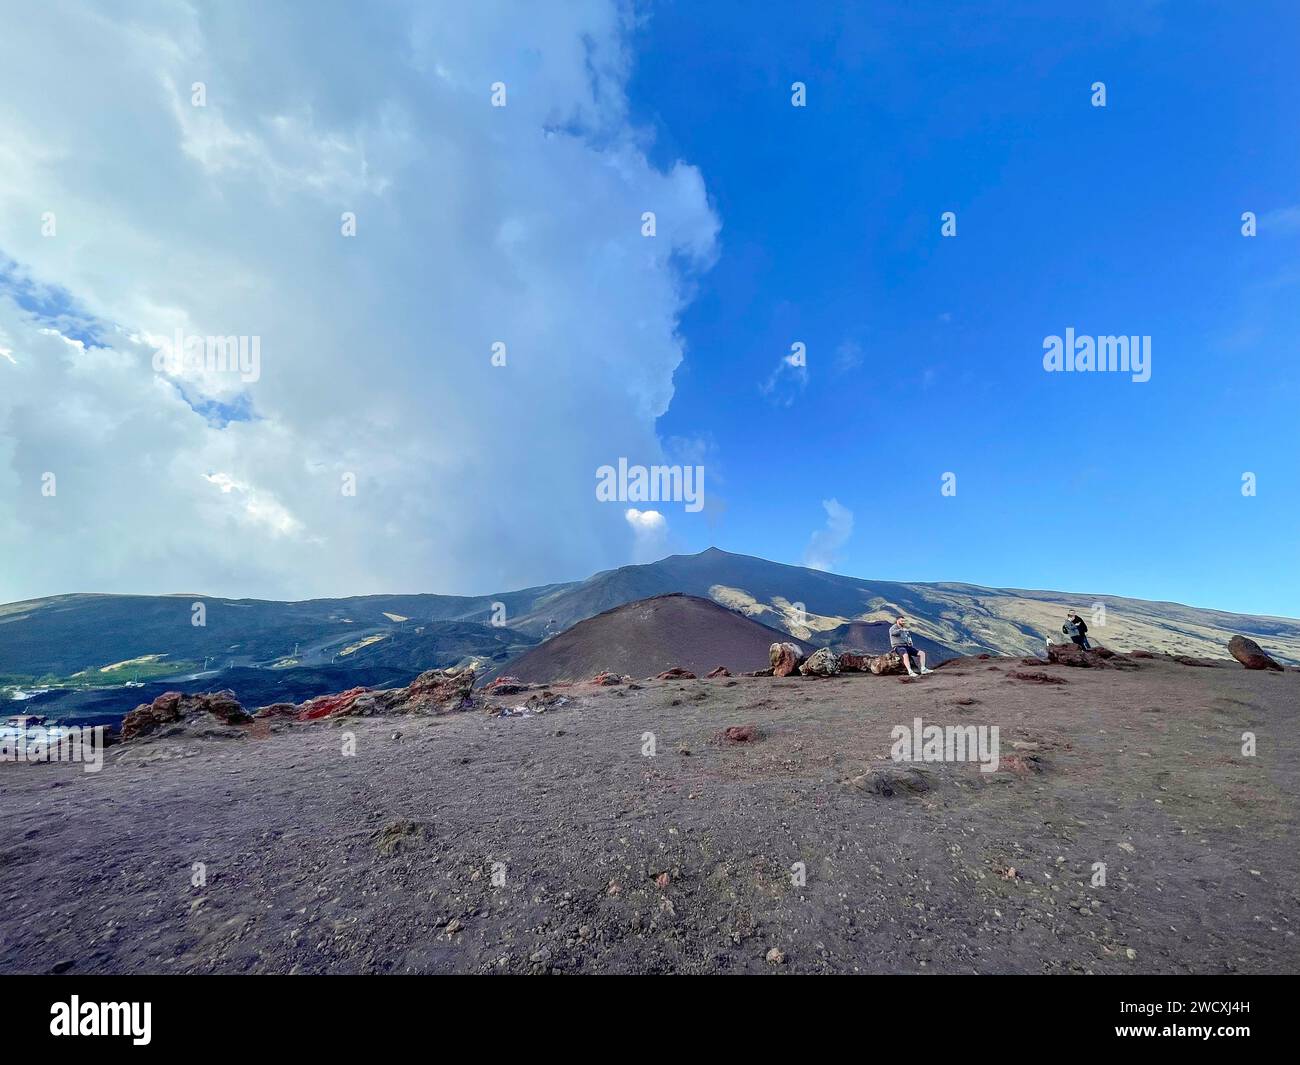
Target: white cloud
[(786, 381), (825, 543), (650, 533), (474, 225)]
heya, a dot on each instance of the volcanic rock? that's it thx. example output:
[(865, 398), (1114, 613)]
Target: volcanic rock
[(437, 691), (784, 658), (881, 665), (1250, 654), (1071, 654), (872, 638), (1035, 677), (221, 707), (329, 705), (720, 671), (891, 780), (821, 663), (740, 734), (277, 710), (676, 673)]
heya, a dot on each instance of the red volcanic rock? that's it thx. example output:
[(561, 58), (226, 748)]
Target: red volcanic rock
[(852, 662), (1037, 677), (1250, 654), (329, 705), (1141, 654), (1071, 654), (676, 673), (505, 686), (174, 706), (740, 734), (785, 658), (606, 678), (721, 671)]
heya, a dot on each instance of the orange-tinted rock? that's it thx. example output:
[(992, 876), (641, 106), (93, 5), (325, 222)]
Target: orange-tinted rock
[(1250, 654), (785, 658)]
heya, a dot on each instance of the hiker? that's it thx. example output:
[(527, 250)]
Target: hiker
[(900, 642), (1075, 628)]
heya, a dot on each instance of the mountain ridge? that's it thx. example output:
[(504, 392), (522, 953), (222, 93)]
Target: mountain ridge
[(73, 633)]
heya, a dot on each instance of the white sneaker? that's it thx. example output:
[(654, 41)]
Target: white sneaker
[(924, 670), (910, 673)]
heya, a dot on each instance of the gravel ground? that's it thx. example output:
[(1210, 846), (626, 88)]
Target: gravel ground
[(472, 843)]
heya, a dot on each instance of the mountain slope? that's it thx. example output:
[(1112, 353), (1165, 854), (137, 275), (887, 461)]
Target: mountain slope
[(648, 636), (813, 604)]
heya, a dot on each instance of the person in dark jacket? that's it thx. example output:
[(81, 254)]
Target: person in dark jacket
[(1075, 628)]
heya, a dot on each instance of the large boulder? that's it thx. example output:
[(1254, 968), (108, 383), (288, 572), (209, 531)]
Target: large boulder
[(784, 658), (437, 691), (889, 662), (1250, 654), (854, 662), (821, 663), (204, 709)]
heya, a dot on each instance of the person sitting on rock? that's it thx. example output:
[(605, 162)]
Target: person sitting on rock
[(1076, 630), (900, 642)]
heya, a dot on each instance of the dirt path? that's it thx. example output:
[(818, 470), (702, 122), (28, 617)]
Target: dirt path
[(1141, 770)]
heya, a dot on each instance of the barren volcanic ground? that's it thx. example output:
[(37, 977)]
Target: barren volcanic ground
[(618, 862)]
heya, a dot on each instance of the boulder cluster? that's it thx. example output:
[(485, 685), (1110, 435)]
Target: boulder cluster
[(436, 691), (786, 659), (447, 691)]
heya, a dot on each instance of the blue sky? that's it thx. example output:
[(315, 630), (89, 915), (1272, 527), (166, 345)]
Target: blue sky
[(131, 210), (1116, 220)]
